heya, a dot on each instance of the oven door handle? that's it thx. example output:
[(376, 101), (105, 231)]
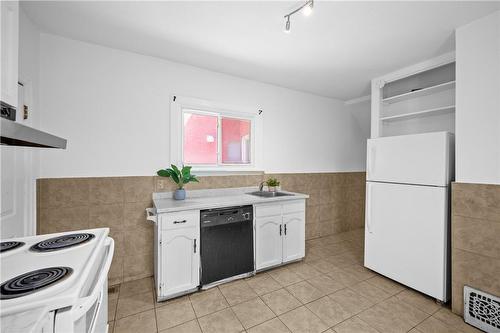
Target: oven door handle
[(85, 303)]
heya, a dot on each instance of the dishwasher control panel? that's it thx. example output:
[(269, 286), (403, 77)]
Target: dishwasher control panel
[(226, 215)]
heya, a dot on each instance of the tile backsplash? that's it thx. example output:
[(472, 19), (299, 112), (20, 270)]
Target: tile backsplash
[(475, 240), (336, 204)]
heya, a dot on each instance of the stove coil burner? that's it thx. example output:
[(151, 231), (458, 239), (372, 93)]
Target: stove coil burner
[(34, 281), (61, 242), (6, 246)]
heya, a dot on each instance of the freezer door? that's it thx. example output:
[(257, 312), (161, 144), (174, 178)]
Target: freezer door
[(406, 235), (424, 159)]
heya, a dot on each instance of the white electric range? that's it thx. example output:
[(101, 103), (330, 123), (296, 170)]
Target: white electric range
[(56, 282)]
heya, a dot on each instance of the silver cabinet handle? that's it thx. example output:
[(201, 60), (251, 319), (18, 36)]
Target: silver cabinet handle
[(183, 221), (285, 229), (195, 245), (280, 229)]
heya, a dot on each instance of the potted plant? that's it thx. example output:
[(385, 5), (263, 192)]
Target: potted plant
[(272, 184), (180, 177)]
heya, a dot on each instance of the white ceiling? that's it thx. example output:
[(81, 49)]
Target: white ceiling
[(334, 52)]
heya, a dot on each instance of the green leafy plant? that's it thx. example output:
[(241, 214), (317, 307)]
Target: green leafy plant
[(272, 182), (180, 176)]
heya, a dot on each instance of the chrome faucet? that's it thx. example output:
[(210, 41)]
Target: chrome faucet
[(261, 186)]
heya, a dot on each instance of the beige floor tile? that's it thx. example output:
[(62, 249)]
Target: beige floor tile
[(252, 312), (112, 309), (129, 305), (263, 284), (170, 301), (451, 319), (208, 301), (284, 276), (280, 301), (305, 292), (418, 300), (392, 315), (271, 326), (111, 326), (354, 325), (387, 285), (224, 321), (237, 292), (340, 261), (303, 320), (359, 272), (174, 314), (343, 277), (189, 327), (136, 287), (328, 310), (433, 325), (382, 321), (304, 271), (325, 284), (371, 292), (143, 322), (351, 301), (323, 266), (404, 311)]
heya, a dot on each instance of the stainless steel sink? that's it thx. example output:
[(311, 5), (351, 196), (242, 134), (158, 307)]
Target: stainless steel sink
[(266, 194)]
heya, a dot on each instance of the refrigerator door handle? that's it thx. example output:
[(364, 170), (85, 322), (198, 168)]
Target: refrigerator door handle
[(369, 226)]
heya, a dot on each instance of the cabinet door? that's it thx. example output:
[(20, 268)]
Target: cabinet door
[(180, 260), (268, 242), (293, 236), (9, 40)]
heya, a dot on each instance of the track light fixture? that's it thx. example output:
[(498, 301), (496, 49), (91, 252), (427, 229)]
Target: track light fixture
[(306, 10)]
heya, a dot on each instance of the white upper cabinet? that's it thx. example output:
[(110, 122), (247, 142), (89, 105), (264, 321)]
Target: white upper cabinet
[(293, 236), (268, 251), (180, 258), (9, 51)]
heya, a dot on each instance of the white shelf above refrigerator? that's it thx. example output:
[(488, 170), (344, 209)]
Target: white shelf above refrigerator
[(419, 93), (416, 114)]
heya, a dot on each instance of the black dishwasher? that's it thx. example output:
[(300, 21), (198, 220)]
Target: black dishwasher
[(226, 243)]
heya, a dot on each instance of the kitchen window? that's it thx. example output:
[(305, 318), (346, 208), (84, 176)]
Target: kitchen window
[(214, 137)]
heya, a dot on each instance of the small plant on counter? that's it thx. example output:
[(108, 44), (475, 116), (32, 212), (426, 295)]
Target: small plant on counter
[(272, 184), (179, 176)]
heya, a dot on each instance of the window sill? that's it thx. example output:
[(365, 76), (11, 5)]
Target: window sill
[(225, 172)]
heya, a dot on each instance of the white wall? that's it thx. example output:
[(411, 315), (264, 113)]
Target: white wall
[(113, 107), (361, 111), (478, 101)]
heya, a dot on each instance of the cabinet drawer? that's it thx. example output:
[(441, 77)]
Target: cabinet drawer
[(268, 210), (294, 207), (180, 220)]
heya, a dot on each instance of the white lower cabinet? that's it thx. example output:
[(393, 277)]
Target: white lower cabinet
[(178, 257), (294, 236), (280, 233), (268, 249)]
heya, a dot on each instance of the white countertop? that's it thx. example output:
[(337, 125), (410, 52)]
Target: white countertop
[(215, 198)]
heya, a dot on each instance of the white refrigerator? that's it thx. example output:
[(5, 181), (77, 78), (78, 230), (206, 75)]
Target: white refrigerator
[(407, 222)]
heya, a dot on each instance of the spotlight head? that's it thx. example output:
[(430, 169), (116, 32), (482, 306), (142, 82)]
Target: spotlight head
[(287, 25)]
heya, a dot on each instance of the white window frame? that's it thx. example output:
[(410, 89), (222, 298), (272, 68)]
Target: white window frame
[(179, 105)]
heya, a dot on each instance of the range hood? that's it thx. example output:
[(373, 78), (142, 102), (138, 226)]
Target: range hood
[(15, 134)]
